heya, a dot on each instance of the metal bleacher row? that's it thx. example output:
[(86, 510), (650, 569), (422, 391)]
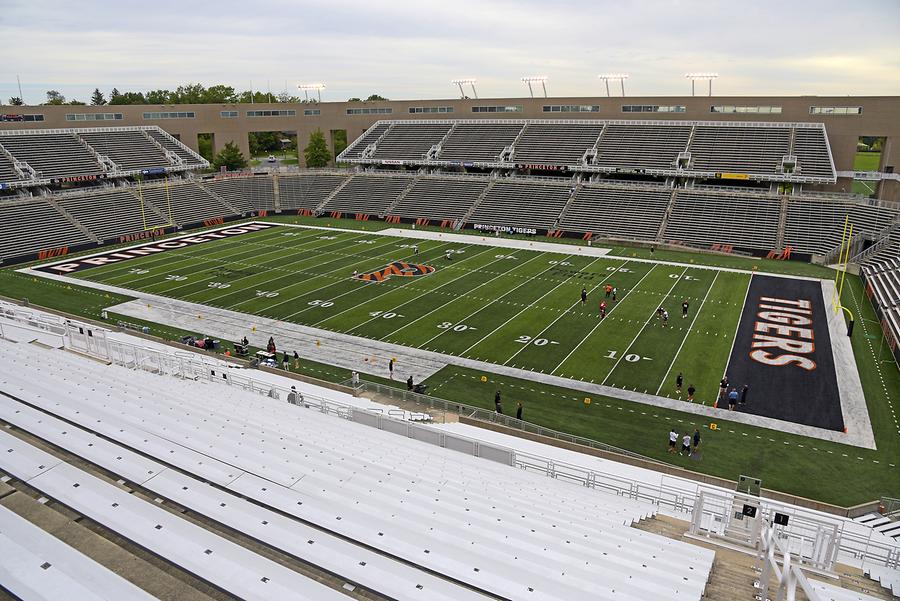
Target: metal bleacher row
[(400, 517), (685, 148), (37, 156)]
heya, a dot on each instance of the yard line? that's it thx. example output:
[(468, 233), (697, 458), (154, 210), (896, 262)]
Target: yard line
[(599, 322), (507, 293), (412, 281), (690, 327), (454, 299), (650, 319), (333, 298), (564, 313), (734, 339), (526, 308)]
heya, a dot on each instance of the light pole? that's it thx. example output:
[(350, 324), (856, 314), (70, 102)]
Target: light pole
[(306, 87), (542, 79), (465, 82), (620, 77), (701, 76)]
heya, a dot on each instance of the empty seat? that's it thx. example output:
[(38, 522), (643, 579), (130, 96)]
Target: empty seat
[(522, 204), (129, 149), (410, 142), (306, 191), (54, 155), (438, 199), (478, 141), (617, 212), (556, 143), (371, 195)]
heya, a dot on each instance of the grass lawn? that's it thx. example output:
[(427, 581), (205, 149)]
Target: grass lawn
[(867, 161)]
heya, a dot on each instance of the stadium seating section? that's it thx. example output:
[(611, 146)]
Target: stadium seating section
[(505, 202), (617, 212), (438, 199), (307, 191), (371, 195)]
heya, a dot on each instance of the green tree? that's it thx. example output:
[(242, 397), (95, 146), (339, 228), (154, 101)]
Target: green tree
[(115, 96), (97, 98), (159, 97), (75, 102), (338, 141), (16, 101), (55, 98), (375, 97), (205, 146), (230, 157), (219, 94), (316, 152), (354, 99), (264, 141), (127, 98)]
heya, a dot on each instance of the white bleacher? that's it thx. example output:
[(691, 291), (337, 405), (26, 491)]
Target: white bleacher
[(737, 149), (478, 141), (252, 193), (306, 191), (617, 212), (396, 494), (371, 195), (30, 226), (522, 204), (223, 563), (436, 199), (888, 578), (110, 213), (178, 148), (704, 218), (410, 142), (811, 150), (53, 155), (556, 143), (371, 135), (641, 146), (7, 171), (40, 567), (129, 149), (815, 225), (190, 203)]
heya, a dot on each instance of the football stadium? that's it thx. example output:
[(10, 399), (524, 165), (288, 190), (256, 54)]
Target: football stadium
[(587, 347)]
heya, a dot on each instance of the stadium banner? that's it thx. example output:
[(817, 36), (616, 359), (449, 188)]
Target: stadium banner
[(505, 229), (541, 167), (782, 352), (742, 176), (143, 250)]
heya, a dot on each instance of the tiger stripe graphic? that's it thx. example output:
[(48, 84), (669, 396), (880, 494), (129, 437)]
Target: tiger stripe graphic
[(397, 268)]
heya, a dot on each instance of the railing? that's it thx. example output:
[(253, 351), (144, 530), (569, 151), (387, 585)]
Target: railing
[(890, 507), (787, 577)]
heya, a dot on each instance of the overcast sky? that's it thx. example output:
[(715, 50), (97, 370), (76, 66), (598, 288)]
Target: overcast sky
[(412, 49)]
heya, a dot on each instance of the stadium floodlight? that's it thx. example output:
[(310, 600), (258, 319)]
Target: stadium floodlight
[(701, 76), (620, 77), (542, 79), (465, 82), (306, 87)]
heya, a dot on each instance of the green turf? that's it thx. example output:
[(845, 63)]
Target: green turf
[(867, 161)]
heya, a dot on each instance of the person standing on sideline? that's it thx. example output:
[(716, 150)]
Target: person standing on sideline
[(583, 296), (409, 383), (519, 410), (697, 439), (691, 391), (296, 360), (270, 347), (354, 378), (673, 440), (723, 387), (602, 309), (286, 362), (732, 399), (679, 381), (292, 396), (497, 406), (391, 368), (684, 308), (686, 444), (744, 390)]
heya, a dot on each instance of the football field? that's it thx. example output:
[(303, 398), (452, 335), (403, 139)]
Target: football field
[(511, 307)]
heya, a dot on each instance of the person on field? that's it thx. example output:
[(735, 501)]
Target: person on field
[(686, 445), (409, 383), (679, 381), (615, 291), (296, 360), (691, 391), (744, 390), (519, 410), (608, 290), (673, 440), (391, 368), (497, 406), (449, 256), (270, 347), (723, 387), (684, 309), (602, 309), (697, 439), (732, 399), (665, 316), (286, 361), (583, 296), (659, 312)]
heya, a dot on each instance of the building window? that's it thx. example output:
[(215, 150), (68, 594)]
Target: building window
[(282, 113), (497, 109), (172, 115), (571, 108), (652, 108), (430, 109), (33, 117), (228, 114), (311, 112), (835, 110), (763, 110), (93, 117), (370, 111)]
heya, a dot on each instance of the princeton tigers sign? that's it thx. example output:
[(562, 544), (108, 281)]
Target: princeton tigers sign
[(397, 268)]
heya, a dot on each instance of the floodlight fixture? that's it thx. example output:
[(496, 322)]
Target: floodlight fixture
[(620, 77), (542, 79), (701, 76), (465, 82), (307, 87)]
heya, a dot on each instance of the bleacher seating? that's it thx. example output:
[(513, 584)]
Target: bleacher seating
[(371, 195), (478, 141), (811, 150), (247, 194), (556, 143), (815, 225), (739, 149), (505, 201), (54, 155), (7, 171), (113, 212), (371, 135), (617, 212), (190, 203), (30, 226), (306, 191), (128, 149), (410, 142), (641, 146), (421, 504), (188, 157), (438, 199), (705, 218)]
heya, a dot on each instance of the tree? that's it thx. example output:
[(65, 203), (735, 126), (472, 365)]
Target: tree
[(354, 99), (316, 152), (159, 97), (115, 96), (16, 101), (55, 98), (97, 98), (74, 102), (230, 157), (375, 97), (219, 94)]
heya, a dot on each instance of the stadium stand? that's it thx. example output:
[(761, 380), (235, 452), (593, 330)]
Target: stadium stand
[(307, 191), (111, 213), (478, 141), (52, 155), (641, 146), (179, 149), (253, 193), (812, 152), (815, 225), (504, 202), (7, 170), (704, 218), (190, 202), (46, 228), (556, 143), (369, 195), (128, 149), (617, 212), (739, 148), (410, 142), (438, 199), (358, 147)]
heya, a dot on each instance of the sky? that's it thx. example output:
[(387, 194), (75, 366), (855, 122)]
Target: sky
[(405, 49)]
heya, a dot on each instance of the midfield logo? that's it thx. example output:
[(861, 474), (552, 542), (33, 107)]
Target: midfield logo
[(397, 268)]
